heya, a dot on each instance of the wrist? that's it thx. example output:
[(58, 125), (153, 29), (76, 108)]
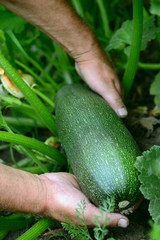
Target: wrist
[(94, 53), (85, 46), (46, 195)]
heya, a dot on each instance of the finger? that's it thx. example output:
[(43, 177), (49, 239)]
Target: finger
[(113, 98), (114, 219), (119, 87)]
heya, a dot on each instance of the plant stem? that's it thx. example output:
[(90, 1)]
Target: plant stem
[(64, 60), (31, 60), (37, 229), (151, 66), (15, 216), (25, 162), (158, 34), (31, 72), (39, 107), (20, 121), (33, 144), (3, 147), (42, 167), (36, 170), (104, 16), (46, 99), (78, 7), (135, 45), (13, 224)]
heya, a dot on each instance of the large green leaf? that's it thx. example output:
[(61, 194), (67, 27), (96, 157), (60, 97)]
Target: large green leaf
[(155, 90), (155, 7), (149, 31), (149, 167), (10, 21), (155, 86), (123, 36)]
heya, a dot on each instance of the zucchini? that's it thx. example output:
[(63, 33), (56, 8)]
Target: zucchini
[(100, 149)]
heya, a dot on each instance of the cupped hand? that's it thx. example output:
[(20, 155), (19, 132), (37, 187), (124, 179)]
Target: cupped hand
[(95, 70), (63, 196)]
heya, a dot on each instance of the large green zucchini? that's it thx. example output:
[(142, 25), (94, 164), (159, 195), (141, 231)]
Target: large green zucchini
[(100, 149)]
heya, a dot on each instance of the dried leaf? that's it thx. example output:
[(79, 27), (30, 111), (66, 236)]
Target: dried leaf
[(149, 122)]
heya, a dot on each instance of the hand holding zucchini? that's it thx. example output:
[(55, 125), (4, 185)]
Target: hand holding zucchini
[(100, 149)]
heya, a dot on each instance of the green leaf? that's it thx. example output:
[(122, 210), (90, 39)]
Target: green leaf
[(123, 36), (155, 90), (10, 21), (149, 31), (149, 167), (155, 86), (11, 100), (155, 7), (155, 231), (157, 101)]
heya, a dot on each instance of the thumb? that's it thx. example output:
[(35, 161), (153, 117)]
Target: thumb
[(114, 219), (113, 98)]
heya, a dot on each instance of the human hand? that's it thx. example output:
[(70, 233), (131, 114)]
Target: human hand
[(95, 70), (63, 196)]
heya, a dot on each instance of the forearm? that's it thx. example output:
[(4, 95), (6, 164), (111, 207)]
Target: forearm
[(20, 191), (59, 21)]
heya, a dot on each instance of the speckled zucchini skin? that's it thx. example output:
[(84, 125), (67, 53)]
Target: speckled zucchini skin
[(100, 149)]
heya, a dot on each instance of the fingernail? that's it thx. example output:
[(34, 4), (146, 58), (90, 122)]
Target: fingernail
[(122, 112), (123, 223)]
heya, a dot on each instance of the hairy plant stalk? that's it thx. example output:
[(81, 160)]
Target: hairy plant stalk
[(36, 229), (104, 16), (33, 144), (39, 107), (135, 45)]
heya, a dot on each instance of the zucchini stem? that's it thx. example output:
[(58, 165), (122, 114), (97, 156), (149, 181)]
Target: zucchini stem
[(36, 229), (33, 144), (150, 66), (39, 107), (13, 217), (135, 45)]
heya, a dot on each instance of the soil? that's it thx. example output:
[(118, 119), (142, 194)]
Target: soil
[(143, 123)]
